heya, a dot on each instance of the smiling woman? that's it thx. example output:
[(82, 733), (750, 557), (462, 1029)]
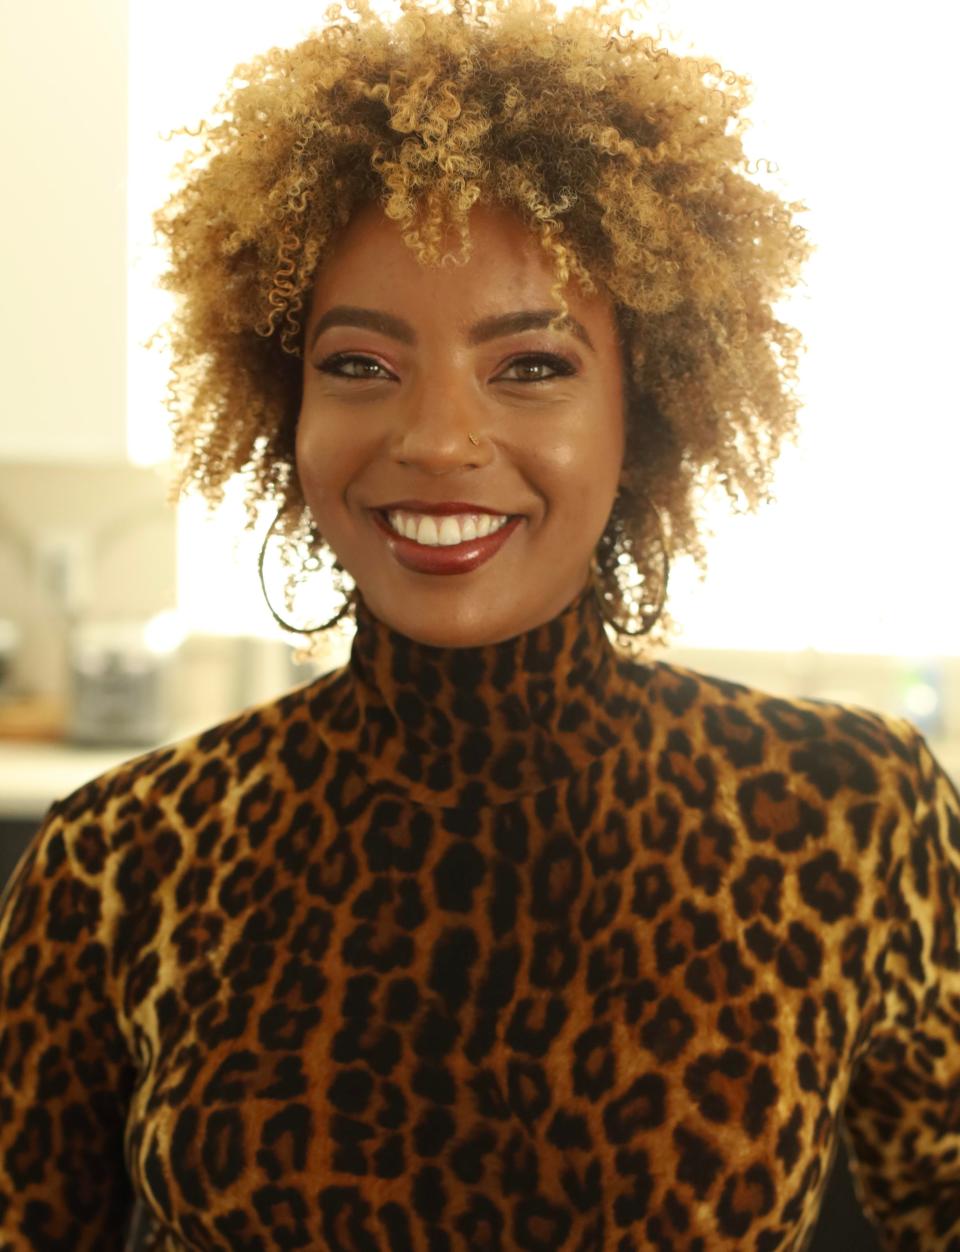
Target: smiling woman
[(619, 168), (547, 450), (495, 937)]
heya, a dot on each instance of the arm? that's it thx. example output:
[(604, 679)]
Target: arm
[(903, 1108), (65, 1071)]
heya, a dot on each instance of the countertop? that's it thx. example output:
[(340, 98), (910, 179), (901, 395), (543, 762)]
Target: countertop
[(33, 775)]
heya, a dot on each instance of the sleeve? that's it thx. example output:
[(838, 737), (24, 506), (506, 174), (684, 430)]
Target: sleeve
[(65, 1071), (902, 1112)]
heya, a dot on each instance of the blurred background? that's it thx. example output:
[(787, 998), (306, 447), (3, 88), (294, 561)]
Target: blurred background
[(126, 621)]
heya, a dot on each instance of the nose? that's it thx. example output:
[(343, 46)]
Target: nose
[(434, 435)]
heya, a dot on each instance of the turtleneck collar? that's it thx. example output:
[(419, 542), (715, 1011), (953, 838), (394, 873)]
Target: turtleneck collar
[(486, 724)]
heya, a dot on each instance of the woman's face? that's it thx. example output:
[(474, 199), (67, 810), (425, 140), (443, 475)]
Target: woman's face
[(392, 428)]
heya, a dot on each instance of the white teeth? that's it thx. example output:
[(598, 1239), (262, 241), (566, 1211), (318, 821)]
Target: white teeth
[(452, 529), (427, 532), (449, 531)]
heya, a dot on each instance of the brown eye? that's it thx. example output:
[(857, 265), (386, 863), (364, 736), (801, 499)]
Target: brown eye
[(557, 364), (332, 365)]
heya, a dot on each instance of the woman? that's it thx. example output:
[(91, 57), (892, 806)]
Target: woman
[(495, 937)]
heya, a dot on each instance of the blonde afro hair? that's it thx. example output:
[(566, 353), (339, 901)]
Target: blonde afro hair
[(624, 159)]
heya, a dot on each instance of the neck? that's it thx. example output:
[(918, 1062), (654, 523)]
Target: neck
[(484, 724)]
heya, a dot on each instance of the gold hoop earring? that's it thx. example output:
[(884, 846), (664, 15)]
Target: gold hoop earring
[(349, 598), (348, 602), (647, 620)]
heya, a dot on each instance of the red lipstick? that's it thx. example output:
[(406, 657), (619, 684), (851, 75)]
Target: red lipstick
[(457, 558)]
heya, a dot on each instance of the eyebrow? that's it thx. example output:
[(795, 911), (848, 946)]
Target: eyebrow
[(480, 332)]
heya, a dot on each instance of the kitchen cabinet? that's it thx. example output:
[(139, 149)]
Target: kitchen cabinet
[(15, 834)]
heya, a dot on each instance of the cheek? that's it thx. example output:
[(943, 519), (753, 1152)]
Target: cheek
[(330, 464), (582, 472), (314, 459)]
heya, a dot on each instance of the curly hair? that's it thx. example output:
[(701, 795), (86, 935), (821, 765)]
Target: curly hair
[(624, 159)]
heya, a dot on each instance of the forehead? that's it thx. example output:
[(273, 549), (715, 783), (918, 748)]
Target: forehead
[(507, 267)]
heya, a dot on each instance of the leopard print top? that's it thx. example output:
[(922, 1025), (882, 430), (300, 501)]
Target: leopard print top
[(522, 946)]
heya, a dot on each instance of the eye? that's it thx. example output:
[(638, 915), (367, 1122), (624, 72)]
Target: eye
[(557, 364), (369, 368), (332, 363)]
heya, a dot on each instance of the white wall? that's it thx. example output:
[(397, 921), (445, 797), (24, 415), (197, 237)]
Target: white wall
[(63, 134)]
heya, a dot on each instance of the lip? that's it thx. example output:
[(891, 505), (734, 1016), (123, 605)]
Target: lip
[(456, 558), (440, 509)]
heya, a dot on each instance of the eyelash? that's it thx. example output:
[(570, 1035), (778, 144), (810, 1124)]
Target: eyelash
[(561, 367)]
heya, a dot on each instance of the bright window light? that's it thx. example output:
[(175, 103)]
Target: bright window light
[(856, 554)]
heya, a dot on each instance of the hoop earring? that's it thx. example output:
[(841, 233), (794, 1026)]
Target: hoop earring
[(349, 597), (646, 619), (348, 602)]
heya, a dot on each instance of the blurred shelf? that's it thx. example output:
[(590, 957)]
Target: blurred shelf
[(33, 775)]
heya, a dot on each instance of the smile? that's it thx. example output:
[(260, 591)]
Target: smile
[(441, 556), (446, 530)]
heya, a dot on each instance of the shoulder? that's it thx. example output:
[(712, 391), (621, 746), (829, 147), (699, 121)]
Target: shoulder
[(767, 785), (681, 690), (180, 792), (831, 743)]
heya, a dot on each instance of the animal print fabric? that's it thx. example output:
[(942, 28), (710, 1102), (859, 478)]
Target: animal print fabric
[(525, 946)]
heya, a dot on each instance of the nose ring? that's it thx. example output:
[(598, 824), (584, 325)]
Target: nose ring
[(474, 440)]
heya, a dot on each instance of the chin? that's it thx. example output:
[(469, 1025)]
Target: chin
[(481, 630), (455, 634)]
